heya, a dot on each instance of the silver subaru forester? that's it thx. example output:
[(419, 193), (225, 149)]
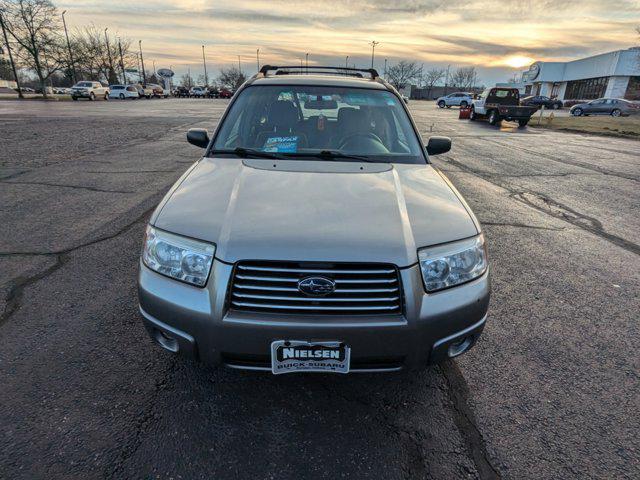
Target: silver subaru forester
[(314, 235)]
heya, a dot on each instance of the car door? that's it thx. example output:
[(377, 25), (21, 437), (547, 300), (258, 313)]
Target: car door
[(479, 103), (595, 107)]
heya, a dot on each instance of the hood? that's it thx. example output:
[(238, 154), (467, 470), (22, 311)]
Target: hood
[(295, 210)]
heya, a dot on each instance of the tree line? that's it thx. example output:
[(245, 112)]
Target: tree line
[(405, 73)]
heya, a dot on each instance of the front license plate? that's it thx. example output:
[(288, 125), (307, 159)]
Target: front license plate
[(290, 356)]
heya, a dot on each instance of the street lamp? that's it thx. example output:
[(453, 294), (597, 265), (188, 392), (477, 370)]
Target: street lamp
[(307, 62), (346, 62), (239, 65), (373, 44), (204, 61), (106, 39), (66, 34), (258, 58), (144, 75), (13, 65)]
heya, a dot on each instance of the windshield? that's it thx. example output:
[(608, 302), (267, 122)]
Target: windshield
[(300, 121)]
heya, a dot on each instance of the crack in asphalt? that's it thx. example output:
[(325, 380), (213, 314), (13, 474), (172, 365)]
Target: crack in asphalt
[(62, 185), (13, 299), (521, 225), (465, 421), (587, 166), (553, 208)]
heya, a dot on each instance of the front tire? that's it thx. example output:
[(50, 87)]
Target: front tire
[(523, 123), (472, 116), (122, 96), (577, 112), (463, 104), (616, 112), (441, 104), (92, 96), (556, 106)]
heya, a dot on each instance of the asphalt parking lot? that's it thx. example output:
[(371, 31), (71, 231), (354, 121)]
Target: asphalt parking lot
[(551, 390)]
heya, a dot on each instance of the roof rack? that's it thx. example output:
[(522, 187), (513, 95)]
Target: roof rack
[(303, 70)]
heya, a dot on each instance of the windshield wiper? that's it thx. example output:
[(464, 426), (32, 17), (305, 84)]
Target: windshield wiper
[(249, 152), (333, 155)]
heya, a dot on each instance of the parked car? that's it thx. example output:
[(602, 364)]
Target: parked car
[(123, 91), (501, 103), (540, 100), (181, 92), (615, 107), (144, 91), (459, 99), (26, 90), (197, 92), (90, 90), (158, 91), (225, 93), (374, 262), (213, 92)]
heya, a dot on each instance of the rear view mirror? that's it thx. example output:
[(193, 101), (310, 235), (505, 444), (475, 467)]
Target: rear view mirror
[(320, 105), (438, 145), (198, 137)]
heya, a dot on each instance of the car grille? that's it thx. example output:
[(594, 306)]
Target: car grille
[(360, 289)]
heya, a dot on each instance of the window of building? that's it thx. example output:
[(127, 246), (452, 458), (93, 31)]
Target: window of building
[(633, 89), (586, 89)]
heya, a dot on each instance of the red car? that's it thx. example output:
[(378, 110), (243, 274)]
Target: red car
[(224, 93)]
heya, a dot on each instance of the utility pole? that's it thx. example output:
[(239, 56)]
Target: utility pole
[(385, 68), (111, 70), (144, 75), (204, 62), (124, 74), (346, 62), (446, 80), (154, 68), (258, 58), (66, 34), (239, 65), (373, 44), (13, 65), (189, 76), (306, 62)]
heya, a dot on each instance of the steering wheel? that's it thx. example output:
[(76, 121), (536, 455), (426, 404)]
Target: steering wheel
[(368, 135)]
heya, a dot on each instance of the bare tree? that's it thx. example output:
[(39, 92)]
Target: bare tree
[(402, 73), (186, 80), (34, 26), (231, 78), (431, 77), (464, 78)]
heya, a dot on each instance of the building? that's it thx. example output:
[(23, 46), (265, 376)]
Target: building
[(614, 74)]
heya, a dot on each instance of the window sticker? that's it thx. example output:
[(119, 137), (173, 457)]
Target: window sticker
[(281, 144)]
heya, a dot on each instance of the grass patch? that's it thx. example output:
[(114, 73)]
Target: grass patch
[(628, 127)]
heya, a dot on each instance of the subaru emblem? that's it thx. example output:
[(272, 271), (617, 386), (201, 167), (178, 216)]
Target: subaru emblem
[(316, 286)]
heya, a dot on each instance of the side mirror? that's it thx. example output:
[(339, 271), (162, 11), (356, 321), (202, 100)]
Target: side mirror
[(198, 137), (438, 145)]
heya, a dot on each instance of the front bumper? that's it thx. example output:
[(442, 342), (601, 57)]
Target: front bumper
[(197, 323)]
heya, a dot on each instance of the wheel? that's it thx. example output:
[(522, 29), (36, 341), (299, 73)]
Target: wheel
[(616, 112), (556, 106), (92, 96), (122, 96), (441, 104), (472, 114), (523, 123), (577, 112), (494, 118), (75, 99), (464, 104), (106, 97)]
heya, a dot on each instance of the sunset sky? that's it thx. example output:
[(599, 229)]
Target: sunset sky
[(496, 36)]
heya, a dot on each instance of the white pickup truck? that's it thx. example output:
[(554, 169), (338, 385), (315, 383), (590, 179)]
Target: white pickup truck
[(501, 103)]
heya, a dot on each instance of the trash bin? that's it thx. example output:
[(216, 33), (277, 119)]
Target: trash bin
[(465, 113)]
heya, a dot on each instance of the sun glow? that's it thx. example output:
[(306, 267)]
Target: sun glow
[(518, 61)]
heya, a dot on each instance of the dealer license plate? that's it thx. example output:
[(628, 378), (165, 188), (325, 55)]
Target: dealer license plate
[(290, 356)]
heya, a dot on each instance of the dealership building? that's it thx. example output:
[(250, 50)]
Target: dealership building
[(613, 74)]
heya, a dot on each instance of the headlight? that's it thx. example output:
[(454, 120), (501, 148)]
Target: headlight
[(445, 266), (178, 257)]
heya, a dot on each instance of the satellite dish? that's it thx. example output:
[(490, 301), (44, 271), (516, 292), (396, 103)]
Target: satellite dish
[(165, 73)]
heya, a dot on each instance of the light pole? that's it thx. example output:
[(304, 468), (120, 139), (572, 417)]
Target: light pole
[(258, 58), (306, 62), (239, 65), (446, 80), (111, 71), (13, 65), (204, 62), (66, 34), (373, 44), (385, 68), (144, 75), (124, 74), (346, 62)]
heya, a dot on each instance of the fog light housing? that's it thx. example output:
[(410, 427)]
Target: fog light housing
[(166, 341), (460, 346)]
